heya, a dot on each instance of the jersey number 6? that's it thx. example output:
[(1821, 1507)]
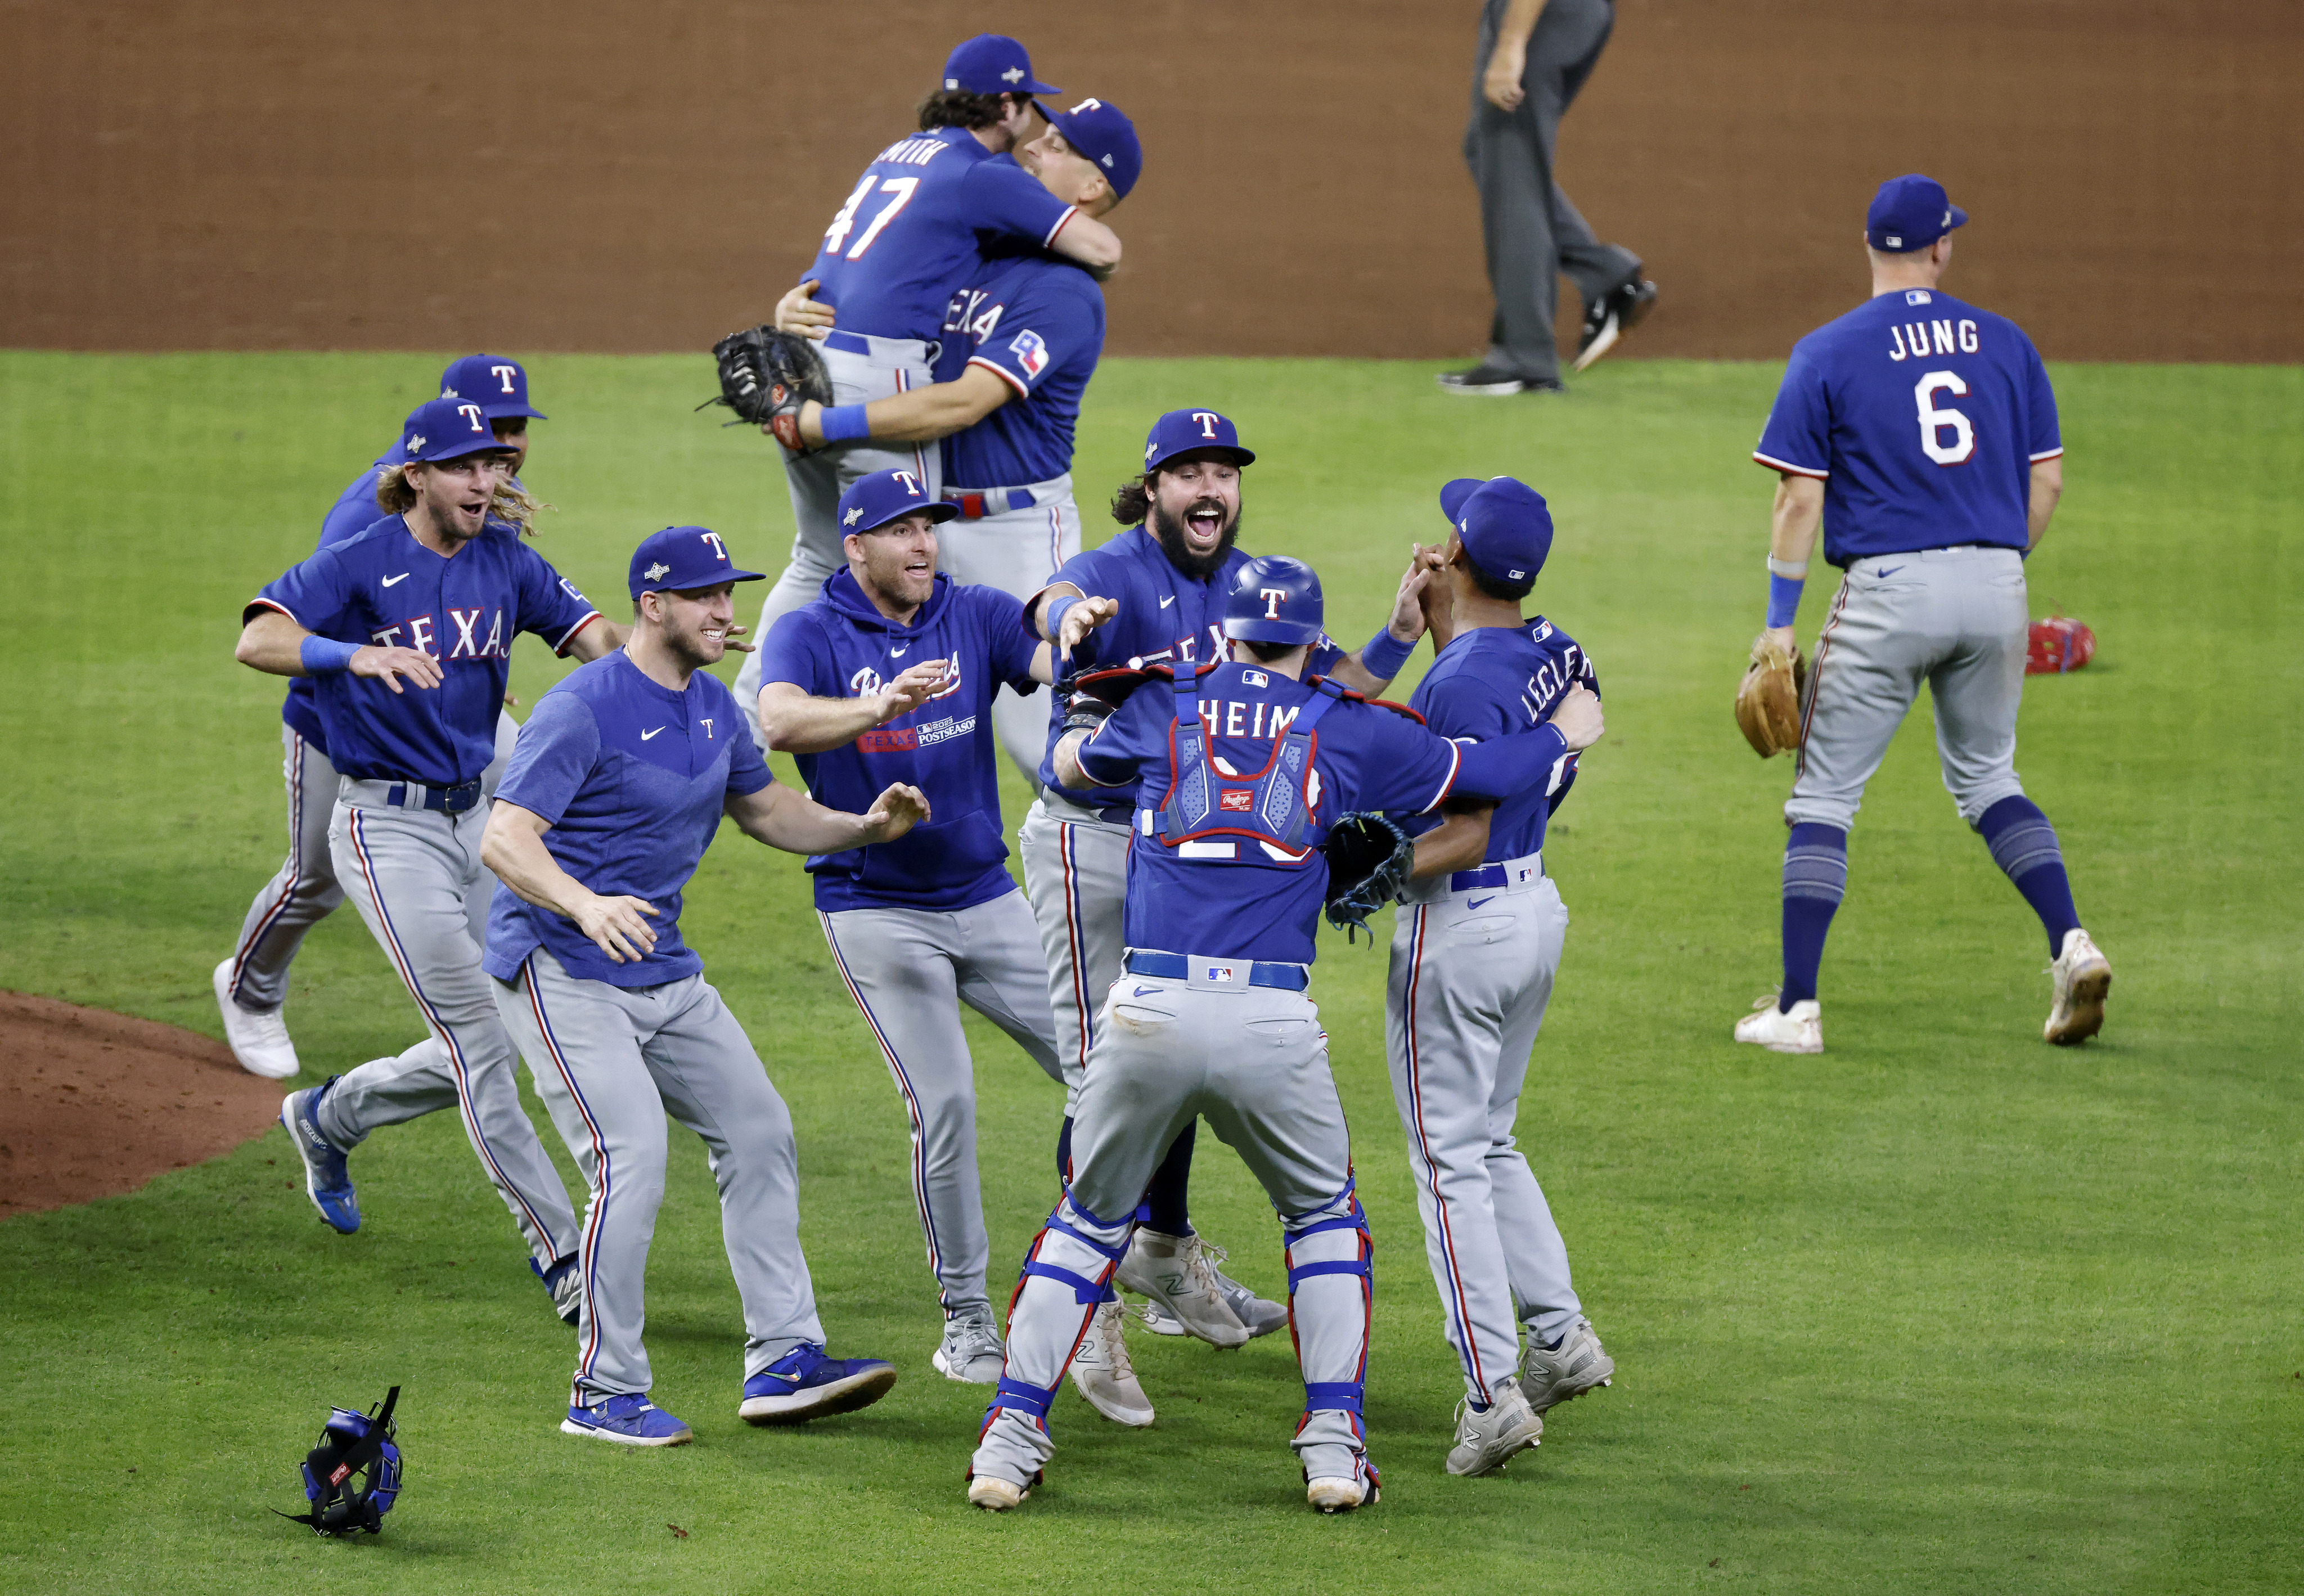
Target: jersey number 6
[(901, 187), (1934, 421)]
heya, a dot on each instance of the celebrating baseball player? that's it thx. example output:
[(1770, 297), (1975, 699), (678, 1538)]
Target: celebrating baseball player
[(252, 984), (616, 787), (1921, 431), (912, 234), (407, 629), (1239, 769), (1155, 593), (1473, 960), (887, 678), (1030, 331)]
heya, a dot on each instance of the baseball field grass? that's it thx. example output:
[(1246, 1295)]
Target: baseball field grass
[(1943, 1308)]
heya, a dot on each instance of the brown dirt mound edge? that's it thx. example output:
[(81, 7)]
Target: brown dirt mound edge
[(94, 1103)]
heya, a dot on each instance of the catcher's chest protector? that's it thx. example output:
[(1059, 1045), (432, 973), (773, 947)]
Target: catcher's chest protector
[(1270, 806)]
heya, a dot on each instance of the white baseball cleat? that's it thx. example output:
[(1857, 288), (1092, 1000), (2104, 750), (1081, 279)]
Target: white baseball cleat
[(1485, 1441), (1103, 1375), (1334, 1494), (996, 1495), (259, 1038), (1174, 1271), (2083, 976), (1799, 1030)]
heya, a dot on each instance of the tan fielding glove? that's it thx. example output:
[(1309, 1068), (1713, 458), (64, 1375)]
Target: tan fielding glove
[(1768, 699)]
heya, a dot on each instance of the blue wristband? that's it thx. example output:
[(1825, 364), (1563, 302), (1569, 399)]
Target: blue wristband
[(1055, 621), (1783, 598), (1384, 655), (839, 423), (326, 657)]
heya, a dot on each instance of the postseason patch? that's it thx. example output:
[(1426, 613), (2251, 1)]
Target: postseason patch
[(1031, 352)]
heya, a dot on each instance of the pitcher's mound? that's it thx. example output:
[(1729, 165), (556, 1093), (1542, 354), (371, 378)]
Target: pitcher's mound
[(96, 1103)]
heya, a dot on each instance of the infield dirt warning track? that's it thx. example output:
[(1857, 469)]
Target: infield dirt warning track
[(620, 177)]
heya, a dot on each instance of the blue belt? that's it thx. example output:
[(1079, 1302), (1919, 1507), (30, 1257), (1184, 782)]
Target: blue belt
[(1487, 874), (454, 801), (1175, 966)]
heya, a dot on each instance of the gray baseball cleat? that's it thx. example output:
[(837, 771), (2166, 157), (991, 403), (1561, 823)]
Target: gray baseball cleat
[(1174, 1271), (971, 1351), (1262, 1317), (1579, 1363), (1487, 1441)]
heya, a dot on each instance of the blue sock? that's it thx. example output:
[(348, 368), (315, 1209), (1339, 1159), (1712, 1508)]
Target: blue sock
[(1816, 879), (2024, 844), (1167, 1201), (1064, 1152)]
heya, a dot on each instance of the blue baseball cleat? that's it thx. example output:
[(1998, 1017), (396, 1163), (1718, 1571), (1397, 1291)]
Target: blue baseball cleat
[(326, 1183), (565, 1282), (804, 1384), (631, 1420)]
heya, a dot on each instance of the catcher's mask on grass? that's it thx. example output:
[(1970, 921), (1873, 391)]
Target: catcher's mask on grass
[(353, 1477)]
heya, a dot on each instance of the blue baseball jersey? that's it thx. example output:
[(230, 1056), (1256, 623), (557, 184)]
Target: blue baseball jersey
[(840, 646), (915, 227), (463, 609), (1922, 417), (633, 778), (353, 512), (1037, 323), (1164, 615), (1492, 681)]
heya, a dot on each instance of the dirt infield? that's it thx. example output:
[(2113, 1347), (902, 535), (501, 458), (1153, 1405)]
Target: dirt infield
[(97, 1103), (627, 177)]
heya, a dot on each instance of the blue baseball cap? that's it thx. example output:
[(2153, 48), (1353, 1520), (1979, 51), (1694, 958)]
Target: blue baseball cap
[(500, 385), (993, 63), (1182, 431), (1275, 599), (447, 429), (1505, 524), (685, 556), (874, 501), (1910, 213), (1107, 137)]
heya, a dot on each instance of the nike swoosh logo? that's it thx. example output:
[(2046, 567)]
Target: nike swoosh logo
[(390, 579), (1140, 991), (645, 735), (1476, 902), (1169, 599), (1891, 571), (898, 653)]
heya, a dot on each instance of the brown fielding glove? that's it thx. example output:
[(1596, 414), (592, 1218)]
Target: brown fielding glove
[(765, 375), (1769, 701)]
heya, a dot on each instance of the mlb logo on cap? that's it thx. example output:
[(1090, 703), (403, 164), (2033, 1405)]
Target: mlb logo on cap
[(1182, 431), (498, 386), (447, 429), (685, 556), (1910, 213), (993, 63), (874, 501)]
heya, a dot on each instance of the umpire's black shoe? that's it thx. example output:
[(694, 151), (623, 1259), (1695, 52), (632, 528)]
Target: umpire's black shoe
[(1487, 382), (1611, 315)]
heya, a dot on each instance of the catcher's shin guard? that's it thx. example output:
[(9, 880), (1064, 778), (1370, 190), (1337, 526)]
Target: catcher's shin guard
[(1330, 1281)]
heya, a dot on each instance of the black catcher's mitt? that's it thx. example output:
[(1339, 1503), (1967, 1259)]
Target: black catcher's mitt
[(353, 1477), (1369, 858), (764, 377)]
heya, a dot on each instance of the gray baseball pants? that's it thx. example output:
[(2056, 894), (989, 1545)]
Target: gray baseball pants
[(1076, 874), (910, 970), (1253, 1061), (1465, 995), (1954, 619), (416, 878), (1015, 550), (612, 1064), (1530, 231), (893, 366), (304, 891)]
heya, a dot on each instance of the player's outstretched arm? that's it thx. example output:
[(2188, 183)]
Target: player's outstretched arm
[(920, 416), (1391, 646), (273, 643), (598, 637), (2047, 488), (1503, 766), (1088, 241), (794, 722), (513, 847), (797, 824), (1072, 614)]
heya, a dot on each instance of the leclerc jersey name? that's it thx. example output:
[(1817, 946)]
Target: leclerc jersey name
[(915, 228), (1037, 324), (1923, 417)]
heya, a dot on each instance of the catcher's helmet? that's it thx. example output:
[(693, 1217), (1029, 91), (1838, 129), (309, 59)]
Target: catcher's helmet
[(1275, 599)]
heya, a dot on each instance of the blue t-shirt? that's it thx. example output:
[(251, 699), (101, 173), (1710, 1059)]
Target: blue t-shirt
[(915, 228), (633, 778), (1037, 323), (1364, 756), (1164, 615), (463, 609), (840, 646), (1492, 681), (1922, 417), (353, 512)]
